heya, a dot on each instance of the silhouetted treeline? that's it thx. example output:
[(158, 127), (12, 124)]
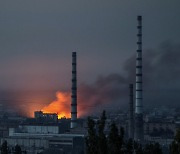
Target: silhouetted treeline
[(6, 150), (97, 142)]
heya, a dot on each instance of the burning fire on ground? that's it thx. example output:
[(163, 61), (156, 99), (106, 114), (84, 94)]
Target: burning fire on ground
[(61, 105)]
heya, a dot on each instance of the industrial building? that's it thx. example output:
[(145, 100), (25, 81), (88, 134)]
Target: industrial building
[(39, 115), (36, 139), (46, 132)]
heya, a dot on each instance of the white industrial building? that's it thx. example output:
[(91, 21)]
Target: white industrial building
[(35, 139)]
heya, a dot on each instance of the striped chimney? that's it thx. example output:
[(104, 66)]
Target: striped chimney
[(74, 93), (139, 129), (131, 112)]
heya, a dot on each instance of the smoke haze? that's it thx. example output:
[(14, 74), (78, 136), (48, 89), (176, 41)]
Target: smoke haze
[(161, 86)]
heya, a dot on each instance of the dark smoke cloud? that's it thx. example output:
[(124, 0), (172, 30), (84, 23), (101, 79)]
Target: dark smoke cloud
[(161, 74), (106, 90)]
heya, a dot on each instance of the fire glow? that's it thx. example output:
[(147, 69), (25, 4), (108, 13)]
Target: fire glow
[(61, 105)]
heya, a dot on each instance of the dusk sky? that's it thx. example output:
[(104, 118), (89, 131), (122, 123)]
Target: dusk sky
[(38, 37)]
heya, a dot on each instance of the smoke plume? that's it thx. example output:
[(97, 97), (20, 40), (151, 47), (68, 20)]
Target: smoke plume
[(161, 84), (161, 73)]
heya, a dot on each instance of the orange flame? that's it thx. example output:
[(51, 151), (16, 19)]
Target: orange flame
[(61, 105)]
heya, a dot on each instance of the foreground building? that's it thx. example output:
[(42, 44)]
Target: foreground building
[(37, 138)]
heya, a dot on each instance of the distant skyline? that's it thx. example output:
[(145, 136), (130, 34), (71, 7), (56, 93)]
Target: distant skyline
[(38, 37)]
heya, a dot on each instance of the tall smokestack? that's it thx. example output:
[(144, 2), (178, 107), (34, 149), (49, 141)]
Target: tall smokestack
[(131, 112), (74, 93), (139, 128)]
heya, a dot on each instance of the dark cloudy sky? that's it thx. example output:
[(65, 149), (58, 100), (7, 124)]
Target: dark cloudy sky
[(37, 38)]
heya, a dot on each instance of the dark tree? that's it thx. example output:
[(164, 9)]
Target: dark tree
[(114, 140), (152, 149), (157, 149), (138, 148), (129, 147), (18, 149), (174, 148), (102, 142), (4, 148), (92, 139), (121, 136), (175, 145), (177, 137)]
